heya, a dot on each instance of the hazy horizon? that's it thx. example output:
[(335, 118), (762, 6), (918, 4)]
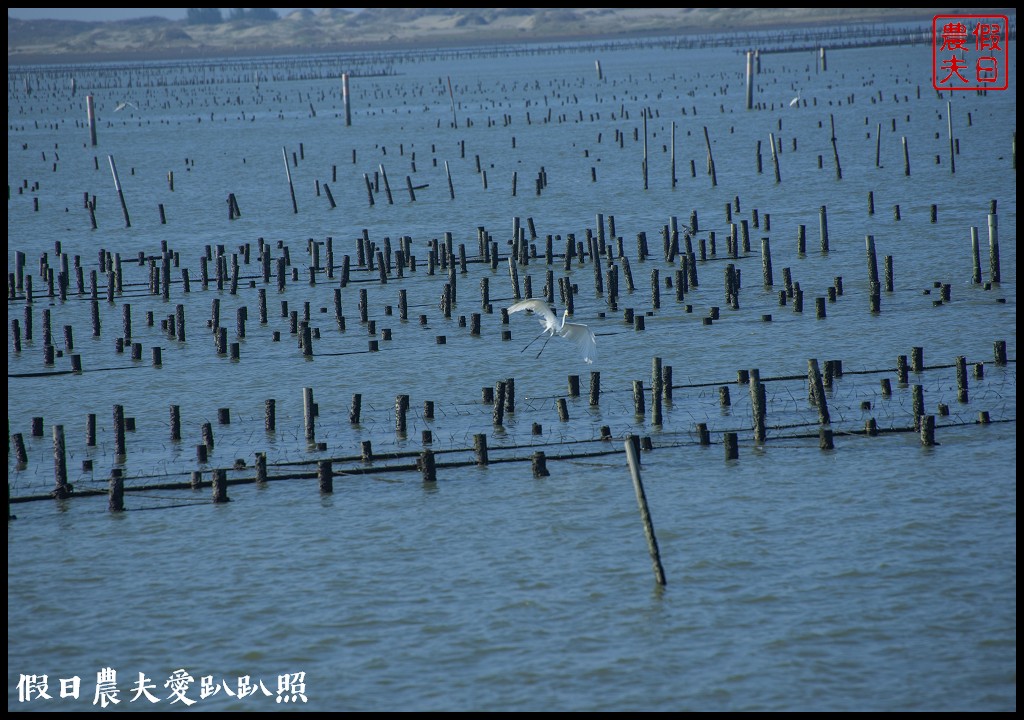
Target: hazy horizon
[(108, 14)]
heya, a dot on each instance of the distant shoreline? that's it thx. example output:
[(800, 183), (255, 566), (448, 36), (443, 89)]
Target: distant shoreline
[(276, 44)]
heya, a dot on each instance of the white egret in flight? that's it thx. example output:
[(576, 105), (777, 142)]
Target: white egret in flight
[(579, 334), (795, 101), (123, 105)]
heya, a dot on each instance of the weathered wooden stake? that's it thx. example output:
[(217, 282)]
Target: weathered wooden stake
[(539, 464), (730, 441), (308, 413), (823, 228), (291, 186), (428, 466), (115, 502), (995, 275), (632, 458), (961, 378), (220, 487), (711, 161), (499, 402), (120, 192), (60, 464), (928, 430), (775, 159), (638, 398), (175, 423), (346, 99), (90, 114), (119, 445), (325, 476), (766, 262), (758, 404), (817, 391)]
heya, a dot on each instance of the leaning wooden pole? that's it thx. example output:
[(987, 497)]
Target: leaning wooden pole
[(835, 146), (645, 515), (120, 191), (451, 95), (775, 158), (291, 186), (711, 160)]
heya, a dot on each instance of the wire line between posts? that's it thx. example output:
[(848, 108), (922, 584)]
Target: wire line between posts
[(641, 499)]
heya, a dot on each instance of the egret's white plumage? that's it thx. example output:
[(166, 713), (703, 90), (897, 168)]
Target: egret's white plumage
[(795, 101), (122, 106), (581, 335)]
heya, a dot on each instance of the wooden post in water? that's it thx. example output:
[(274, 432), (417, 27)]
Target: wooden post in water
[(976, 254), (119, 445), (961, 378), (927, 424), (325, 476), (308, 413), (60, 464), (288, 174), (711, 160), (835, 147), (427, 466), (401, 408), (116, 491), (656, 392), (346, 98), (999, 352), (539, 463), (451, 188), (387, 185), (120, 192), (638, 398), (498, 414), (869, 242), (823, 228), (750, 80), (451, 95), (632, 458), (775, 159), (758, 402), (817, 391), (704, 437), (261, 468), (480, 448), (175, 423), (993, 248), (730, 441), (220, 487), (90, 114)]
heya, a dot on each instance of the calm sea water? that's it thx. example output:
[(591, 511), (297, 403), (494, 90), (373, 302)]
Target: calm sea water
[(880, 575)]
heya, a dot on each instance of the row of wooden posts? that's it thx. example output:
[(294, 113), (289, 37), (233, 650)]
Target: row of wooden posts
[(369, 256), (503, 400)]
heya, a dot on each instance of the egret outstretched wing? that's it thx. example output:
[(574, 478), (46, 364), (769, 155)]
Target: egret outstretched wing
[(584, 339), (540, 309), (581, 335)]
